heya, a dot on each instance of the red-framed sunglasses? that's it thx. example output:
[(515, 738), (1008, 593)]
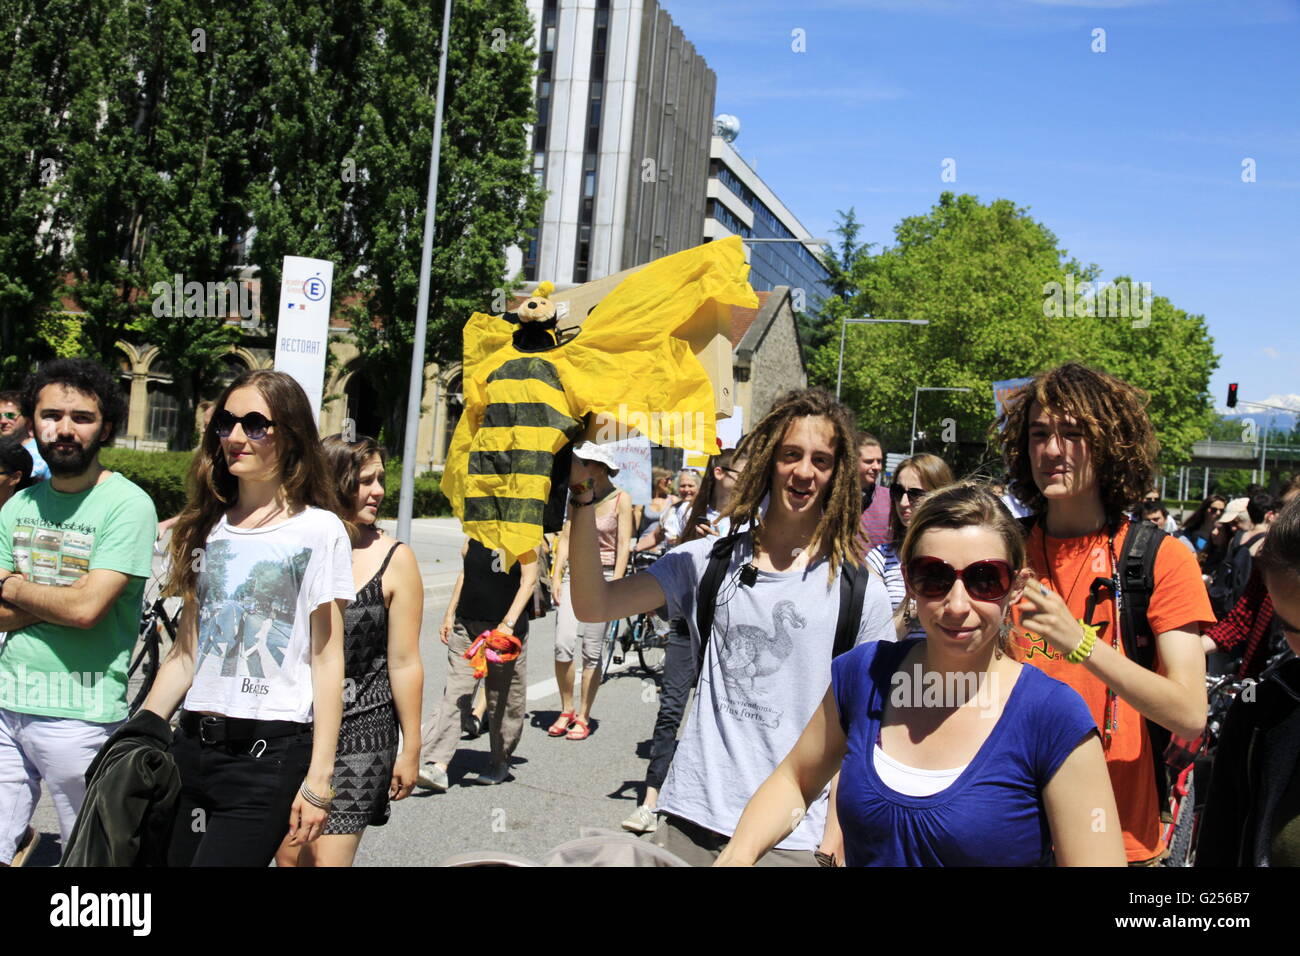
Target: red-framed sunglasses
[(988, 580)]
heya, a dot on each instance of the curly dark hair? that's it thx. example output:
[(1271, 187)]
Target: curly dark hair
[(1112, 414), (83, 375)]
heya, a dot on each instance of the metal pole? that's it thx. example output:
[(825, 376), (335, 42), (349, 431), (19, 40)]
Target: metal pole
[(911, 449), (1205, 489), (1263, 452), (839, 375), (406, 502)]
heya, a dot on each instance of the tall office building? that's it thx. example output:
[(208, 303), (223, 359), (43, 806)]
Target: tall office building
[(625, 115), (740, 203)]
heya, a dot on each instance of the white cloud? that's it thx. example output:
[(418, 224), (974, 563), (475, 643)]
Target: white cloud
[(1272, 352), (1286, 401)]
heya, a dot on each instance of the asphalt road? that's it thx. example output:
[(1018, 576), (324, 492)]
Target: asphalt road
[(557, 787)]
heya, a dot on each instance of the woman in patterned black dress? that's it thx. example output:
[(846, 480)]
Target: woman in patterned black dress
[(384, 677)]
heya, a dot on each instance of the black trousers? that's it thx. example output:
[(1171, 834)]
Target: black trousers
[(235, 798), (679, 677)]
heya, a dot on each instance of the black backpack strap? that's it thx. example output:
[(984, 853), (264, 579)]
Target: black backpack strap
[(1137, 579), (853, 594), (1137, 576), (706, 598)]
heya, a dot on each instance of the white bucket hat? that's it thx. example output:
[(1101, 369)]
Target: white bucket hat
[(590, 451)]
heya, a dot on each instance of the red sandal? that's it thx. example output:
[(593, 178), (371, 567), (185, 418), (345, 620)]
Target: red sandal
[(578, 730), (561, 725)]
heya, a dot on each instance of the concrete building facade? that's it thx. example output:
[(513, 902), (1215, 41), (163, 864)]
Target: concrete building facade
[(740, 203), (624, 119)]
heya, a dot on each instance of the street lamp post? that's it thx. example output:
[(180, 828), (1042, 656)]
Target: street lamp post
[(839, 375), (916, 395), (406, 498)]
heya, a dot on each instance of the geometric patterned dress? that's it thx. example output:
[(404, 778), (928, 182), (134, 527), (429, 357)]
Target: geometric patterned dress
[(367, 750)]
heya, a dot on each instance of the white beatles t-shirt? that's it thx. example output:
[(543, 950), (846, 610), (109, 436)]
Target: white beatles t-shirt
[(257, 588)]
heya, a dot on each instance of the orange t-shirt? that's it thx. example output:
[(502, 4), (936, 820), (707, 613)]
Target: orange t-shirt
[(1178, 601)]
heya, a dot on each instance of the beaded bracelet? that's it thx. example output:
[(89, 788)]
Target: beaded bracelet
[(1084, 650)]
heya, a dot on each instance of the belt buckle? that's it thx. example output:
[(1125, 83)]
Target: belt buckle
[(205, 722)]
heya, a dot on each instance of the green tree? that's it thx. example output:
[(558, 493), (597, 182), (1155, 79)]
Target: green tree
[(843, 265), (981, 274), (487, 195), (48, 47)]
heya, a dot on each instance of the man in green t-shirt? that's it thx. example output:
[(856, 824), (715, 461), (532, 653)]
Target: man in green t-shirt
[(75, 553)]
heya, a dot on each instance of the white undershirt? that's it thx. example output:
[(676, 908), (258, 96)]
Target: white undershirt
[(910, 781)]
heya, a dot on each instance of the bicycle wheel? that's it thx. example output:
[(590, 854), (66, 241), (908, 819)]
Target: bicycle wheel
[(1180, 839), (651, 647)]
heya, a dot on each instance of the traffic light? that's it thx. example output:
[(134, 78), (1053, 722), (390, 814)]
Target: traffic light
[(1232, 395)]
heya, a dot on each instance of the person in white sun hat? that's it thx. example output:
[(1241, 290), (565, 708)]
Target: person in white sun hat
[(614, 532)]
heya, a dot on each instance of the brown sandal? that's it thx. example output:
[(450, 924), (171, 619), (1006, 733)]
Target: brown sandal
[(561, 725)]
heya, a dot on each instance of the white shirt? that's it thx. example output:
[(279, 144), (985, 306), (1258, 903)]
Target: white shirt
[(257, 589)]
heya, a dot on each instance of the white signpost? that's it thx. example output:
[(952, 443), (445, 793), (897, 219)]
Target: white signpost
[(302, 335)]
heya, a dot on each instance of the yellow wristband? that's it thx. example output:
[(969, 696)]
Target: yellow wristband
[(1084, 650)]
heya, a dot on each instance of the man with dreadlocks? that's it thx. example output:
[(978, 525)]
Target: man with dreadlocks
[(767, 651), (1080, 451)]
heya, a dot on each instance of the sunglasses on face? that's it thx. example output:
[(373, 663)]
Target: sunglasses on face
[(254, 424), (932, 578), (914, 495), (9, 416)]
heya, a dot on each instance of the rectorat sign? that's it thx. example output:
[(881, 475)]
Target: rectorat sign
[(302, 333)]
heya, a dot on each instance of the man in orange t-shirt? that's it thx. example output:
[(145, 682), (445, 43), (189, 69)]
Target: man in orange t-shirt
[(1080, 450)]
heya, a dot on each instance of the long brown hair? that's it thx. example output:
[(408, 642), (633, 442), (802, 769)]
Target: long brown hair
[(699, 510), (345, 459), (1111, 412), (213, 490), (934, 472), (842, 508)]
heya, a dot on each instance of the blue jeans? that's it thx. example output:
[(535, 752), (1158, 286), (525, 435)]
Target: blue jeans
[(679, 678)]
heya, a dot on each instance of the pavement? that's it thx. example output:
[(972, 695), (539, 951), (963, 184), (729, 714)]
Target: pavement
[(557, 787)]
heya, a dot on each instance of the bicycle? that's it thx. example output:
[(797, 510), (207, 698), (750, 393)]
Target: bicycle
[(155, 626), (1194, 761), (639, 632)]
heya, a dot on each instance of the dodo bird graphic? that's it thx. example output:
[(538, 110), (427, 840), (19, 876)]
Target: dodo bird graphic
[(750, 653)]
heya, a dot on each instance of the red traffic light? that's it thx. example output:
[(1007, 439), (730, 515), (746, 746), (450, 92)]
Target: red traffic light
[(1232, 395)]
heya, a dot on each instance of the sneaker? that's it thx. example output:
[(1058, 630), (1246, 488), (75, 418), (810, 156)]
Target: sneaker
[(642, 820), (498, 773), (24, 852), (433, 777)]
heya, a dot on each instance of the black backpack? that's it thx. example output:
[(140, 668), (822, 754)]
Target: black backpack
[(1137, 579), (853, 592)]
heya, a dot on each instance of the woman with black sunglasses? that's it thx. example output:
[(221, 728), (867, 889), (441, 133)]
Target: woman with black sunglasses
[(915, 478), (1199, 527), (265, 569), (950, 752)]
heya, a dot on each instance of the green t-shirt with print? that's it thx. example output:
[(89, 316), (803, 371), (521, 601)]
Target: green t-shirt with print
[(54, 538)]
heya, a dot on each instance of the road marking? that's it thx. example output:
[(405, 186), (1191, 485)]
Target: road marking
[(543, 689)]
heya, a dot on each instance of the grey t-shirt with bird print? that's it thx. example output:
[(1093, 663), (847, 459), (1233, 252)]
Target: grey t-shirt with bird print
[(767, 670)]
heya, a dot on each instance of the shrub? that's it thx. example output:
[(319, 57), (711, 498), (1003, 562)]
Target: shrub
[(162, 475)]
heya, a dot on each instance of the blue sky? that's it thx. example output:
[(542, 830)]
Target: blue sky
[(1132, 156)]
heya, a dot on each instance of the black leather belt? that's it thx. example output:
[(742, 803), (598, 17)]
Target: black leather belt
[(212, 729)]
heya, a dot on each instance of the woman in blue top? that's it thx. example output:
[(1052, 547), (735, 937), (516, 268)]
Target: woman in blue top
[(950, 752)]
